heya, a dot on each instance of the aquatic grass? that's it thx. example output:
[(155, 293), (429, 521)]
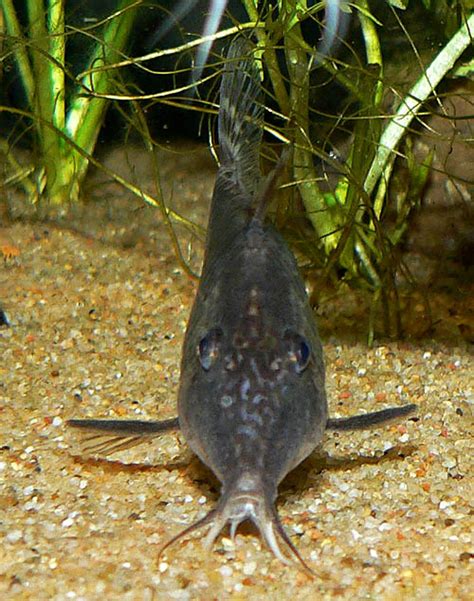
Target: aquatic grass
[(57, 102), (349, 223), (413, 101)]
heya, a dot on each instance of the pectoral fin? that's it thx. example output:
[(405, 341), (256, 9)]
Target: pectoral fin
[(106, 436), (369, 420)]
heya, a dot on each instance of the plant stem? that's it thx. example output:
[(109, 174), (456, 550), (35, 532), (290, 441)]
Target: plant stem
[(411, 104), (271, 60), (57, 47), (20, 53), (303, 166), (43, 100), (86, 113)]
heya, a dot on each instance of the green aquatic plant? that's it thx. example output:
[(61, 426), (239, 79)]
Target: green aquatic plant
[(65, 112), (350, 229)]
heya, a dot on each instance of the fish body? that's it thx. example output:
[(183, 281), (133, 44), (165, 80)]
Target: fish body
[(252, 393), (251, 402)]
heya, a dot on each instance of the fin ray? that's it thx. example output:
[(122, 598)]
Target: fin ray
[(369, 420), (107, 436)]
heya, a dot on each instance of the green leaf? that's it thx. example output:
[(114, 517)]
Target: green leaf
[(401, 4)]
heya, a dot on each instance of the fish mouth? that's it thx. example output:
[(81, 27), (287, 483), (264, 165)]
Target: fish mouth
[(236, 506), (237, 510)]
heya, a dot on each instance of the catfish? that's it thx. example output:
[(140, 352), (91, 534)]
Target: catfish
[(252, 401)]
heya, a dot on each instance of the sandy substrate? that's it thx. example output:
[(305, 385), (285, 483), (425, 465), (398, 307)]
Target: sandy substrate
[(96, 330)]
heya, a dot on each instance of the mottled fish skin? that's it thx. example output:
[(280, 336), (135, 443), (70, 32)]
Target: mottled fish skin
[(252, 381), (251, 402)]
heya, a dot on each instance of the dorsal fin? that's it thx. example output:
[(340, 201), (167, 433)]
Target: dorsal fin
[(240, 118)]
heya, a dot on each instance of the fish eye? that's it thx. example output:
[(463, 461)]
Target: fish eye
[(303, 355), (299, 351), (208, 348)]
